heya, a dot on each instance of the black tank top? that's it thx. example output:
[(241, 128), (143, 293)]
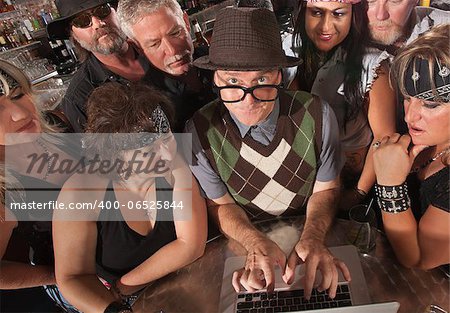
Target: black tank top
[(34, 226), (119, 248), (434, 190)]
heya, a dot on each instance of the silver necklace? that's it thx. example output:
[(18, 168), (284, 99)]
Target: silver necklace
[(49, 163), (434, 158)]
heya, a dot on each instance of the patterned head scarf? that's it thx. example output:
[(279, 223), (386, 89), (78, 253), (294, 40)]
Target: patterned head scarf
[(428, 82), (7, 83), (161, 125), (140, 137)]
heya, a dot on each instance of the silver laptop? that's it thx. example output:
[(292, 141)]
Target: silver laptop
[(351, 298)]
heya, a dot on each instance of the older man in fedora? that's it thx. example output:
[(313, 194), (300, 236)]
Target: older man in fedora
[(106, 53), (261, 152)]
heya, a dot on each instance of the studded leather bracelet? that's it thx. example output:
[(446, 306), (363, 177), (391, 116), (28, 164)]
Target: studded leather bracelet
[(393, 199)]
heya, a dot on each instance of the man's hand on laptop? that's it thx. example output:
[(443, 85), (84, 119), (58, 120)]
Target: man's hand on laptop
[(315, 256), (258, 272)]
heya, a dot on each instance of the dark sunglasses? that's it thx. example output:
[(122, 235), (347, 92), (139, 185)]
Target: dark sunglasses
[(84, 19)]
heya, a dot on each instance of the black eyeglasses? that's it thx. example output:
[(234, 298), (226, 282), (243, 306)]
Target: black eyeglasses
[(232, 93), (84, 19)]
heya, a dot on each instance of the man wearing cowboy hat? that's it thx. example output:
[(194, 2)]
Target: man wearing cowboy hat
[(260, 151), (93, 26)]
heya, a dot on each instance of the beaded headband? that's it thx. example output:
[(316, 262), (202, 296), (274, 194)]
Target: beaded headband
[(7, 83), (417, 81), (143, 138), (140, 137), (341, 1)]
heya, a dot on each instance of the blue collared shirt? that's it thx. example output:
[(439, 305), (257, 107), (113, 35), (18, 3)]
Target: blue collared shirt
[(264, 131)]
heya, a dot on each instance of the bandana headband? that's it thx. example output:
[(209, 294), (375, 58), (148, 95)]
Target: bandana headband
[(7, 83), (341, 1), (143, 138), (140, 137), (159, 120), (417, 81)]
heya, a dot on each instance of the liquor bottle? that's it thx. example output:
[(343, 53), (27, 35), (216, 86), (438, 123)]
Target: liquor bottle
[(27, 33), (9, 34), (4, 42), (62, 47), (54, 10), (46, 18), (3, 45), (70, 47), (200, 40), (61, 53), (18, 31), (9, 6), (36, 22), (27, 18), (23, 40)]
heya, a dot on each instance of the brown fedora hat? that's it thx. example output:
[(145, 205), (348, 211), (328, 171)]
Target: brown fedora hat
[(246, 39)]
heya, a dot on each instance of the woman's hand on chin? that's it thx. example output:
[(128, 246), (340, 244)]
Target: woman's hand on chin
[(392, 159)]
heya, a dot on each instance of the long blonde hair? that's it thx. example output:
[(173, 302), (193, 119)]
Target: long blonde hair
[(18, 75), (432, 46)]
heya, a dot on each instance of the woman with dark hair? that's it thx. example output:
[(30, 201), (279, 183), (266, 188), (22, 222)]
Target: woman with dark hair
[(418, 228), (338, 66), (147, 219)]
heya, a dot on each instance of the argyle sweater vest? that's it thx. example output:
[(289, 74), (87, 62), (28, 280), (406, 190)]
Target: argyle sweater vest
[(276, 179)]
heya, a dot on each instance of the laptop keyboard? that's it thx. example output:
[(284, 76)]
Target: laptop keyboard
[(291, 301)]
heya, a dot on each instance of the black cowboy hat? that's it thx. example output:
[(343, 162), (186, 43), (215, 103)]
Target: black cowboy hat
[(60, 28)]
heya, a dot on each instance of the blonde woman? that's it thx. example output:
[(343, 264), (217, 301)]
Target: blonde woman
[(19, 115), (417, 220)]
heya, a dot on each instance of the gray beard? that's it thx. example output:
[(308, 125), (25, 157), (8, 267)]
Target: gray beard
[(388, 39), (113, 46)]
